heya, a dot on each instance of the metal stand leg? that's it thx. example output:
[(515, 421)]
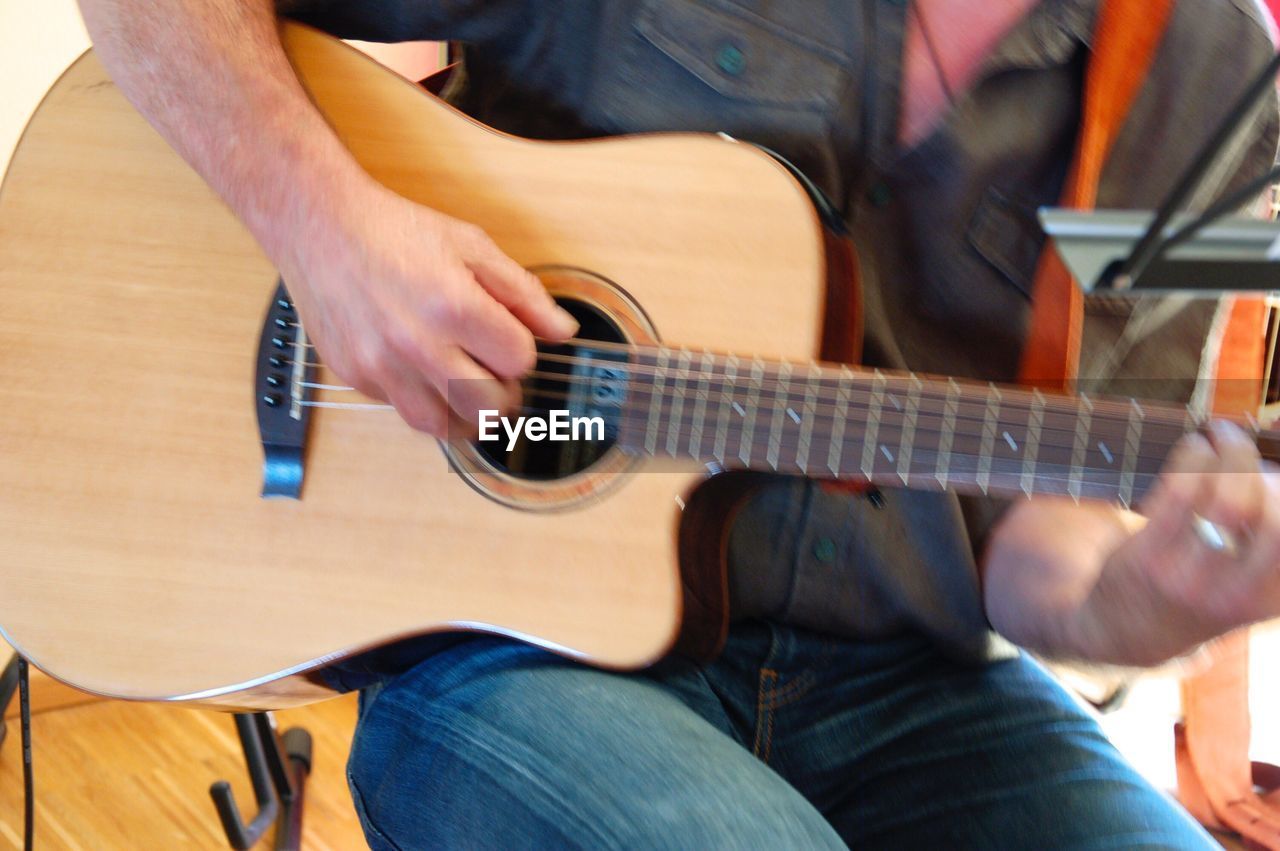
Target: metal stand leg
[(8, 686), (278, 769)]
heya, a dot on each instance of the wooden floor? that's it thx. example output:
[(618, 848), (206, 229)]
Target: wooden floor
[(116, 775)]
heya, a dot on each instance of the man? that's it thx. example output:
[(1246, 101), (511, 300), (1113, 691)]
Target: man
[(862, 697)]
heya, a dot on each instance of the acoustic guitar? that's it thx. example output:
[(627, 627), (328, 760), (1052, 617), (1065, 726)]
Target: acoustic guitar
[(193, 509)]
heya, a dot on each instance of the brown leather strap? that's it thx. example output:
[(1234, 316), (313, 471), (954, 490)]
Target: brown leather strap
[(1216, 781), (1215, 777), (1125, 40)]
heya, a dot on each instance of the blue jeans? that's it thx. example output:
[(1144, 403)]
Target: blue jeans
[(789, 740)]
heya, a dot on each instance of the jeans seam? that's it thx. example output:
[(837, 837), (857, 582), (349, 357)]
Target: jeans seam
[(358, 799), (788, 693), (764, 716)]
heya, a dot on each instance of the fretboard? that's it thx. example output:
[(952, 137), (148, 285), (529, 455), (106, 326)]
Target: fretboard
[(894, 428)]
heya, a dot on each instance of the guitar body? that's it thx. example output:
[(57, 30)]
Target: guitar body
[(137, 557)]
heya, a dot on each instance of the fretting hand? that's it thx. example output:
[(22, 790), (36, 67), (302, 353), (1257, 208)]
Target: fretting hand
[(1220, 479)]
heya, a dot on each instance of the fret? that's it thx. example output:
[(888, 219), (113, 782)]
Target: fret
[(835, 449), (1193, 420), (1132, 448), (950, 411), (1255, 427), (874, 410), (1035, 424), (655, 403), (726, 407), (782, 388), (701, 396), (749, 413), (910, 417), (679, 386), (1084, 430), (806, 425), (990, 425)]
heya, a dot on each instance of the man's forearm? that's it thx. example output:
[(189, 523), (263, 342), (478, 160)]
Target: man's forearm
[(1052, 586), (401, 301), (212, 77)]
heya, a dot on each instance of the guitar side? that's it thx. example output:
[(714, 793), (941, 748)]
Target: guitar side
[(136, 557)]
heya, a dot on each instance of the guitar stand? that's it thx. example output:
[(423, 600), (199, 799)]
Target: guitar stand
[(278, 768), (8, 686)]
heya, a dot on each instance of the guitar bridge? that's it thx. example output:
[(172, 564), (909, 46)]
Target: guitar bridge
[(284, 369)]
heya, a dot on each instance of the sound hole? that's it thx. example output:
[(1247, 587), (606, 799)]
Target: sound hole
[(576, 384)]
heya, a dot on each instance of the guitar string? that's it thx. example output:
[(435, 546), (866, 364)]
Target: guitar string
[(769, 373), (1012, 399), (826, 372), (961, 468), (1080, 476), (1008, 401), (962, 465), (1098, 426), (1047, 427), (891, 435), (785, 442), (794, 387)]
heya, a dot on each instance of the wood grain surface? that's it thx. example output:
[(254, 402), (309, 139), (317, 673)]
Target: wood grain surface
[(136, 557), (112, 775)]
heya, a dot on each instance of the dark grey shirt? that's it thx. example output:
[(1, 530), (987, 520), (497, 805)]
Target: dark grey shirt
[(946, 229)]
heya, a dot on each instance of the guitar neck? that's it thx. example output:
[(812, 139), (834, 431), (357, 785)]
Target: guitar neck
[(834, 422)]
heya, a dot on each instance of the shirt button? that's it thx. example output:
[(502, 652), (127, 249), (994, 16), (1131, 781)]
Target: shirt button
[(880, 195), (824, 550), (730, 60)]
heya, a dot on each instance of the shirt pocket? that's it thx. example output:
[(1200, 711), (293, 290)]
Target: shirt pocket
[(716, 66), (1005, 232)]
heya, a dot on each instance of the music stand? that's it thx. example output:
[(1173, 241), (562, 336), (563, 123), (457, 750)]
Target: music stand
[(1231, 255)]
